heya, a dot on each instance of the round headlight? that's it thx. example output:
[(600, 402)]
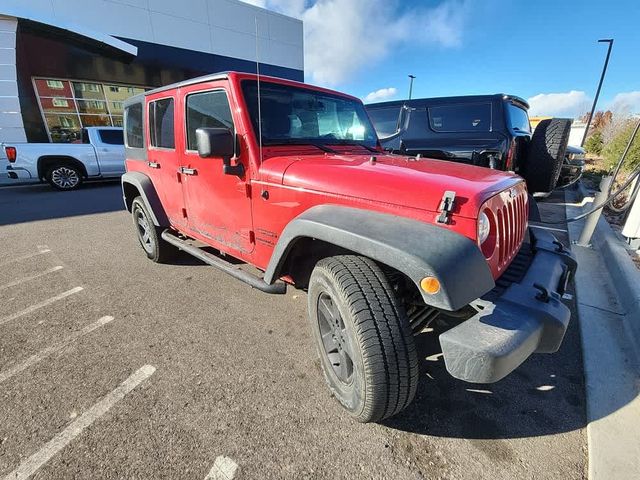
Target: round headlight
[(484, 227)]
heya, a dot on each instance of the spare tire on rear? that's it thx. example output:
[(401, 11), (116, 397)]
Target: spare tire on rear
[(546, 154)]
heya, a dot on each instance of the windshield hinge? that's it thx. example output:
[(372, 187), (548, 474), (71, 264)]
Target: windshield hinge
[(446, 206)]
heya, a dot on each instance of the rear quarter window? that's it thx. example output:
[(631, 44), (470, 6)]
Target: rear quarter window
[(133, 126), (111, 137), (467, 117), (518, 118)]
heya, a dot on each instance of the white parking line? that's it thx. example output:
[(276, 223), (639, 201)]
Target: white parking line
[(32, 277), (35, 307), (41, 250), (42, 354), (62, 439), (223, 468)]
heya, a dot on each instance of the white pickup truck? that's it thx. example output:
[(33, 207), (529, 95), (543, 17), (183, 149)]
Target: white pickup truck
[(66, 165)]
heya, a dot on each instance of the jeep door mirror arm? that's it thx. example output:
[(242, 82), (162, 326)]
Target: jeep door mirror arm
[(219, 142)]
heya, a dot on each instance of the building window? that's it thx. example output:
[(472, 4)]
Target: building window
[(55, 84), (67, 106)]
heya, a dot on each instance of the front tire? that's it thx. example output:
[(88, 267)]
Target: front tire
[(64, 177), (149, 235), (363, 338)]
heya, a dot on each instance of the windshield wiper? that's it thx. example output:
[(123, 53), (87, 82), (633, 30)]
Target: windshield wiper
[(353, 143), (320, 146)]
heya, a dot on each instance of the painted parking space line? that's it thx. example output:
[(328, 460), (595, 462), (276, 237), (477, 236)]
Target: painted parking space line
[(41, 251), (46, 352), (62, 439), (37, 306), (223, 468), (32, 277)]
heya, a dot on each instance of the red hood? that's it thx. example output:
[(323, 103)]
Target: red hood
[(391, 179)]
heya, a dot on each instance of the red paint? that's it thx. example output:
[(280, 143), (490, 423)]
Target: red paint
[(230, 213)]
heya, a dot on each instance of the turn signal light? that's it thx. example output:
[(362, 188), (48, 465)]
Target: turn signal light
[(11, 153), (430, 285)]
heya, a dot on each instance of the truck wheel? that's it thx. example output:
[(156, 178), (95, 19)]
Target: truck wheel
[(64, 176), (546, 154), (362, 335), (149, 235)]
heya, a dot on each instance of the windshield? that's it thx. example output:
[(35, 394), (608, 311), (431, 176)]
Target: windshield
[(294, 115)]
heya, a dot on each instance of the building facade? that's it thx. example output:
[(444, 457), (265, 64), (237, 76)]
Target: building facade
[(68, 64)]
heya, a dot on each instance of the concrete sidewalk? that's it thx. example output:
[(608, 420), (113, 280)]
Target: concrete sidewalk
[(608, 295)]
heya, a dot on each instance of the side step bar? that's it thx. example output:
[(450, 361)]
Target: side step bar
[(278, 288)]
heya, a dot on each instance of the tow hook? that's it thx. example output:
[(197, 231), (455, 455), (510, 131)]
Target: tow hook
[(543, 294)]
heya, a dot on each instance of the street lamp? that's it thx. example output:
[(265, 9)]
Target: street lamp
[(411, 77), (595, 100)]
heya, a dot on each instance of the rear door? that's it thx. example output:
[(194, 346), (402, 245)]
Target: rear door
[(109, 145), (162, 157), (218, 205)]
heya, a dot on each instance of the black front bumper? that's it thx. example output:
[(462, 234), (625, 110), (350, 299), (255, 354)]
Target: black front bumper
[(525, 317)]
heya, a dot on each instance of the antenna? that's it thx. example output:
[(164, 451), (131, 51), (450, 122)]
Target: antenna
[(259, 100)]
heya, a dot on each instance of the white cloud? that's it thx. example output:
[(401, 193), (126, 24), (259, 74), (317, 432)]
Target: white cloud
[(344, 36), (627, 102), (568, 104), (382, 94)]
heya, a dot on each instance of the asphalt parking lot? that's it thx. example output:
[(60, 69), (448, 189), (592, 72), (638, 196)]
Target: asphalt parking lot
[(112, 366)]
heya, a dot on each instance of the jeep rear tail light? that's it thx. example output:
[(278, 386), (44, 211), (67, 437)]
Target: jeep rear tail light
[(508, 162), (11, 153)]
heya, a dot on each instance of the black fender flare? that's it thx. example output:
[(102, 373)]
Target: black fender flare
[(143, 184), (414, 248)]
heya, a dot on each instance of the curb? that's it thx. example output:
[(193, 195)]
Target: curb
[(607, 292)]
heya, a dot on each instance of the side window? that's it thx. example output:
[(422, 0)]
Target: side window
[(133, 126), (385, 120), (111, 137), (207, 109), (471, 117), (161, 123)]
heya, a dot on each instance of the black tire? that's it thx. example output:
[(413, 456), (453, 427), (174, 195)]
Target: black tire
[(546, 154), (149, 237), (64, 176), (363, 337)]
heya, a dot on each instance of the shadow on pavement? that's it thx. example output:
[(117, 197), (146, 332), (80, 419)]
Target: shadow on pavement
[(40, 202)]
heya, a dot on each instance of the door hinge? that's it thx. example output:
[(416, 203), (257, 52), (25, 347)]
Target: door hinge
[(245, 188), (248, 234), (184, 213)]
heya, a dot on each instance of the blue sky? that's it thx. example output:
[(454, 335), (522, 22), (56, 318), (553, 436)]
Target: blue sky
[(542, 50)]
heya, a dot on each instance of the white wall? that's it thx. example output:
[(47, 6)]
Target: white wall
[(223, 27), (11, 126)]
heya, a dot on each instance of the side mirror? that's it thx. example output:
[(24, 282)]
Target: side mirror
[(215, 142)]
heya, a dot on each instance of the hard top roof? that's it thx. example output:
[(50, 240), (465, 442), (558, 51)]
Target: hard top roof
[(421, 102)]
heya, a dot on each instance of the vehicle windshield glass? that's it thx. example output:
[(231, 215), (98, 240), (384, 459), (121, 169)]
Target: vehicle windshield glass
[(385, 119), (518, 118), (295, 115)]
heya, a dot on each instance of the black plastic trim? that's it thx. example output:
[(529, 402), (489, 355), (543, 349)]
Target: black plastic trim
[(414, 248), (143, 184)]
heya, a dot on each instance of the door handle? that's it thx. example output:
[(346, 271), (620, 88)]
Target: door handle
[(188, 171), (153, 164)]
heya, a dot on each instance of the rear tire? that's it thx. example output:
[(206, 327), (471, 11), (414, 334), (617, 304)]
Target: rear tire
[(546, 154), (64, 177), (363, 338), (149, 235)]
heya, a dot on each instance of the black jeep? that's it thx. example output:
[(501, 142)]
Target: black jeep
[(486, 130)]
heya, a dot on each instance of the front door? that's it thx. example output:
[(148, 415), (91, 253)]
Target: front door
[(218, 205)]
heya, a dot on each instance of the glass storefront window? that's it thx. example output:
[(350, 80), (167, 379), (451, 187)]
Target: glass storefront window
[(69, 105), (63, 127)]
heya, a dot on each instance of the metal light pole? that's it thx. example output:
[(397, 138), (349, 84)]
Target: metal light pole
[(595, 100), (411, 77)]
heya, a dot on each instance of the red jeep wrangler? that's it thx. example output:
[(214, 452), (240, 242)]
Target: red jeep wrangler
[(291, 179)]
